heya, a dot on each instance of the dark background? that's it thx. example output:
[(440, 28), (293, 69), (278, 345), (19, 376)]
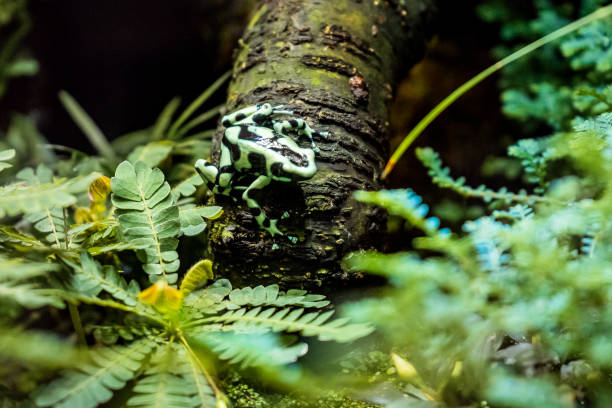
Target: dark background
[(124, 60)]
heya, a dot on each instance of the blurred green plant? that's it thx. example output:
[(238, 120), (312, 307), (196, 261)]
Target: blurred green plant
[(513, 310), (64, 229), (14, 25)]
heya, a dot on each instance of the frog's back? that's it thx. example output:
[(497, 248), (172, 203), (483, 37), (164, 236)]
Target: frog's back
[(260, 150)]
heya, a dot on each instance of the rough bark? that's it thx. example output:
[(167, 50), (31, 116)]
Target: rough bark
[(334, 63)]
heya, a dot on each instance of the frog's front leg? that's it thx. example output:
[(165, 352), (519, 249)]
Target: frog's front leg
[(263, 221), (301, 126), (218, 180)]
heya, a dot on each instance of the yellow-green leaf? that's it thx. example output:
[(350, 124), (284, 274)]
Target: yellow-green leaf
[(197, 276)]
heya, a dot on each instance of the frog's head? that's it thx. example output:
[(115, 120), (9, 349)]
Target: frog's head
[(245, 115)]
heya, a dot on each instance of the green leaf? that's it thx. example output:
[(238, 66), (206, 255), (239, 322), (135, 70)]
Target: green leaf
[(187, 187), (193, 106), (4, 156), (90, 279), (192, 218), (94, 383), (252, 349), (152, 153), (38, 349), (533, 392), (87, 125), (17, 283), (271, 296), (172, 381), (148, 217), (24, 199), (196, 276), (163, 121), (51, 223), (293, 320)]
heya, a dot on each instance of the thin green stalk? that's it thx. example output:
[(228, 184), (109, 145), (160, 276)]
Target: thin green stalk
[(88, 126), (457, 93), (65, 216), (209, 114), (164, 119), (76, 322), (218, 393), (173, 132)]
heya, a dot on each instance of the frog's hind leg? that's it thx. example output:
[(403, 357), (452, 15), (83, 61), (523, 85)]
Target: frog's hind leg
[(301, 127), (263, 221)]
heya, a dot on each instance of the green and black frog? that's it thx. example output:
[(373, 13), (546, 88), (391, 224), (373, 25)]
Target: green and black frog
[(255, 144)]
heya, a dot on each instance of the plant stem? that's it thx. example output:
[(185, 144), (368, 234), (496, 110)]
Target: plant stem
[(76, 322), (218, 394), (172, 133), (457, 93), (88, 126), (65, 216)]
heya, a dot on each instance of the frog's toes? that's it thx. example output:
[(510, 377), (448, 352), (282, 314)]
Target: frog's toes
[(270, 226)]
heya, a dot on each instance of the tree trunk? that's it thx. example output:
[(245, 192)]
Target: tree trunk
[(335, 64)]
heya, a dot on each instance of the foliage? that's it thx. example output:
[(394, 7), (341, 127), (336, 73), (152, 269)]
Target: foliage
[(512, 310), (65, 226), (13, 62), (566, 79), (169, 363)]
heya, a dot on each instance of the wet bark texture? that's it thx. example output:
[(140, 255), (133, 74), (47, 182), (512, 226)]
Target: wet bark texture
[(334, 64)]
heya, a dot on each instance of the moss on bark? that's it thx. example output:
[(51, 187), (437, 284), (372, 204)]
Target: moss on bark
[(335, 64)]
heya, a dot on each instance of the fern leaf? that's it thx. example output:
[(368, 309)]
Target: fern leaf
[(406, 204), (4, 156), (196, 276), (9, 236), (16, 283), (293, 320), (192, 218), (271, 296), (38, 349), (210, 299), (248, 350), (94, 383), (90, 279), (187, 187), (24, 199), (148, 216), (49, 222), (172, 382), (152, 153)]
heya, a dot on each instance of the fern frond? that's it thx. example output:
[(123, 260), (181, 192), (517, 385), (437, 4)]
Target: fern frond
[(90, 279), (94, 383), (10, 237), (148, 216), (129, 330), (271, 296), (92, 231), (39, 349), (4, 156), (252, 349), (152, 153), (187, 187), (192, 218), (406, 204), (24, 199), (170, 382), (440, 175), (292, 321), (196, 276), (50, 221), (16, 283)]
